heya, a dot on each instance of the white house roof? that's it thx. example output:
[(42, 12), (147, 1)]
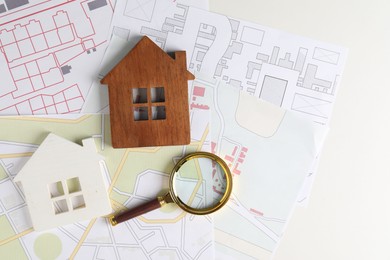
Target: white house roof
[(57, 151)]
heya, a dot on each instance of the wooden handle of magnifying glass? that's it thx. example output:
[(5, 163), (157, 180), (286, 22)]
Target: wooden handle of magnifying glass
[(141, 209)]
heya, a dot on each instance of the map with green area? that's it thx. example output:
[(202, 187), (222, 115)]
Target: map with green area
[(133, 176)]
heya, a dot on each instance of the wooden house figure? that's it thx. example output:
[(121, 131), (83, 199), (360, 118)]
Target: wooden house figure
[(63, 183), (148, 95)]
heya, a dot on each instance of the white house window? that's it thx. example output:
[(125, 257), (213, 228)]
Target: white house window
[(149, 105), (66, 195), (56, 189), (73, 185)]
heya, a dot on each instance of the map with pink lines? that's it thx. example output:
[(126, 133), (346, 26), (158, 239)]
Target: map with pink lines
[(44, 49)]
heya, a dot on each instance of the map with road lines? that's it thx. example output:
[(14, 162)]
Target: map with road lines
[(134, 176)]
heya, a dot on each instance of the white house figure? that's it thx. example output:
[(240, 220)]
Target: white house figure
[(63, 183)]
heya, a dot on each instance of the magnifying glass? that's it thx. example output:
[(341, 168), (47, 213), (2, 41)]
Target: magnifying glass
[(200, 183)]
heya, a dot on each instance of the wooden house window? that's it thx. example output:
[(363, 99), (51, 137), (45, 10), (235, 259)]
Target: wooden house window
[(158, 113), (140, 95), (158, 103), (149, 105), (158, 94)]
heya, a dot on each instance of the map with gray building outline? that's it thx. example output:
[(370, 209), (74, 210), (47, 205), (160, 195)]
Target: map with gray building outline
[(254, 54)]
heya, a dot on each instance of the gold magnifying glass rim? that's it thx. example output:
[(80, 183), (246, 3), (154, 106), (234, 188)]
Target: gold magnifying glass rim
[(224, 199)]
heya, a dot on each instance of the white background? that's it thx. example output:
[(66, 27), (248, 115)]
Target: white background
[(348, 216)]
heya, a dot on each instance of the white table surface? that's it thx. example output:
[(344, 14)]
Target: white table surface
[(348, 216)]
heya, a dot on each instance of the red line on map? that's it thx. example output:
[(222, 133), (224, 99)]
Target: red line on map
[(257, 212), (40, 11), (23, 9)]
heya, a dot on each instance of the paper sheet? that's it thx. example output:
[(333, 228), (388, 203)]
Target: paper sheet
[(261, 231), (50, 51), (45, 47), (253, 57), (269, 151), (290, 71), (134, 176)]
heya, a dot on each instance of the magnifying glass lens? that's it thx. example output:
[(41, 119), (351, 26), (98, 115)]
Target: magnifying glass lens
[(200, 183)]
